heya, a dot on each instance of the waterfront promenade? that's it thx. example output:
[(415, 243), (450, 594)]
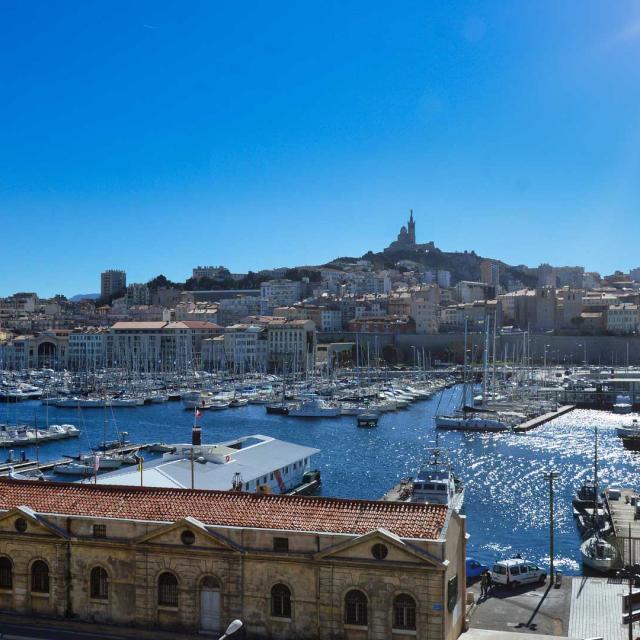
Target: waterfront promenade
[(582, 607)]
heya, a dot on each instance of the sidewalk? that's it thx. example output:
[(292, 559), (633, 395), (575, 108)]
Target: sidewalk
[(531, 609), (17, 627)]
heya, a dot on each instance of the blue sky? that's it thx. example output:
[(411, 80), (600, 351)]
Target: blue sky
[(155, 136)]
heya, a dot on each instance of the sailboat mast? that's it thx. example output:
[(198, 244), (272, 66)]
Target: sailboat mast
[(595, 482)]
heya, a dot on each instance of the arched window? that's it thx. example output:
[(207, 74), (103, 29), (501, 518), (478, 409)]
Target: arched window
[(404, 612), (210, 583), (280, 601), (40, 577), (99, 587), (6, 573), (355, 608), (168, 589)]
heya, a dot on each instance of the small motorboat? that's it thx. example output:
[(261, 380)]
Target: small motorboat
[(160, 447), (623, 405), (280, 408), (586, 497)]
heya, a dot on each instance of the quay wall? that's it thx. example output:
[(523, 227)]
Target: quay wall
[(564, 350)]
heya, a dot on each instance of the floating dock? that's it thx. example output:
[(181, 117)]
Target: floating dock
[(544, 418), (32, 465)]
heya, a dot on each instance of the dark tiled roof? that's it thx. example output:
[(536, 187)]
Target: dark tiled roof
[(330, 515)]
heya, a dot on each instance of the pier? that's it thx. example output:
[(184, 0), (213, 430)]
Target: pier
[(624, 512), (544, 418)]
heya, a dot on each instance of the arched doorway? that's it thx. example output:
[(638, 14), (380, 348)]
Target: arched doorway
[(210, 604), (47, 353)]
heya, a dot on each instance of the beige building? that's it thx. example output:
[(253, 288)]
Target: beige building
[(289, 567)]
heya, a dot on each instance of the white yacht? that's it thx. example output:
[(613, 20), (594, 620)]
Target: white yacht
[(314, 408), (435, 484)]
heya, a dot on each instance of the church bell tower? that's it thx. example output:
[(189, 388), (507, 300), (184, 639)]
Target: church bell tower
[(411, 228)]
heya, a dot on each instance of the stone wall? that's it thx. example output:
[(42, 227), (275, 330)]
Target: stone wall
[(563, 350)]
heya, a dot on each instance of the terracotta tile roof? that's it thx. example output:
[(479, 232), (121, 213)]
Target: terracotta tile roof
[(223, 508)]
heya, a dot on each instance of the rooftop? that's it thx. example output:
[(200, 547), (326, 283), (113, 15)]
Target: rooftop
[(251, 456), (221, 508)]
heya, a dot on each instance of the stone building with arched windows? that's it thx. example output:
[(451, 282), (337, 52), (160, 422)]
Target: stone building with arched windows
[(294, 568)]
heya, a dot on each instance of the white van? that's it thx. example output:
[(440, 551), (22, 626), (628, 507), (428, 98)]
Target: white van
[(516, 571)]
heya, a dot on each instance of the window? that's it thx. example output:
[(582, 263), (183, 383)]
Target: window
[(188, 537), (355, 608), (379, 551), (20, 525), (210, 583), (404, 612), (6, 573), (99, 585), (167, 590), (40, 577), (281, 544), (280, 601), (452, 593), (99, 530)]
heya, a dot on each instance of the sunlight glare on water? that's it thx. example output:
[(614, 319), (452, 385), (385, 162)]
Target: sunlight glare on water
[(507, 498)]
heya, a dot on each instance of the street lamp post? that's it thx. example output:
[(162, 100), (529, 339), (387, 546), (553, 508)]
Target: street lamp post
[(550, 477), (231, 629)]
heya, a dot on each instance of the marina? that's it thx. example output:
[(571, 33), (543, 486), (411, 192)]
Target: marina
[(502, 472)]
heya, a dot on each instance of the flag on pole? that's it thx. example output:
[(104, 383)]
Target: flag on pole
[(198, 413)]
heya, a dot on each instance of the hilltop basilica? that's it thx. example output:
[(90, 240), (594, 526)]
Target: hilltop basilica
[(406, 240)]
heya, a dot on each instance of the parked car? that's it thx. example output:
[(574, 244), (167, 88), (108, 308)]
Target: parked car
[(516, 571), (475, 569)]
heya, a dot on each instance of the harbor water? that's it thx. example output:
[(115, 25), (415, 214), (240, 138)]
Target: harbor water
[(507, 498)]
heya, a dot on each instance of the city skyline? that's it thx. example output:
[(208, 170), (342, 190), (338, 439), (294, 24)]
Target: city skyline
[(282, 137)]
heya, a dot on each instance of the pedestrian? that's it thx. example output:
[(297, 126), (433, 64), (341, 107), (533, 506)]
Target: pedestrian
[(484, 584), (489, 583)]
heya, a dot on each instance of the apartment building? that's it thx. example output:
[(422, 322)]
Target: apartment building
[(622, 318), (87, 348), (112, 283), (279, 293)]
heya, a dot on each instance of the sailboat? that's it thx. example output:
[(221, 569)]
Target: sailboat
[(467, 418), (595, 551)]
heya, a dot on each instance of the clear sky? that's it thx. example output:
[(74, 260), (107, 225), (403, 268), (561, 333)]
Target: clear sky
[(155, 136)]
